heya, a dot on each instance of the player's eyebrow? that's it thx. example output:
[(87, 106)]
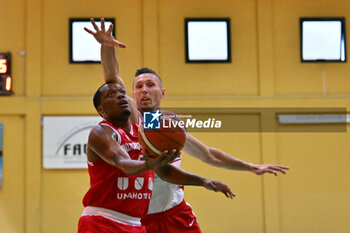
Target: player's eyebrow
[(147, 80), (120, 89)]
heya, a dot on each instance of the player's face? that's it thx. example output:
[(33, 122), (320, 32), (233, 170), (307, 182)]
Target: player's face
[(114, 102), (148, 92)]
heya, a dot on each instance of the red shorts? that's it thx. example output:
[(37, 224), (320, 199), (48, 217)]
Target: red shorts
[(175, 220), (99, 224)]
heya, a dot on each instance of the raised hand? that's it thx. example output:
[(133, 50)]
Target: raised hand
[(218, 186), (102, 36), (273, 169)]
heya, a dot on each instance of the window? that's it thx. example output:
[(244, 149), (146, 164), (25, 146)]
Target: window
[(83, 47), (322, 39), (207, 40)]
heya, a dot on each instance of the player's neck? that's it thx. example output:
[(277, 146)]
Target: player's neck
[(148, 110), (124, 124)]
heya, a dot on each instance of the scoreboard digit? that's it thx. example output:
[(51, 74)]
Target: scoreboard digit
[(5, 74)]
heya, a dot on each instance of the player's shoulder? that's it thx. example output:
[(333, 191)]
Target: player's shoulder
[(100, 131)]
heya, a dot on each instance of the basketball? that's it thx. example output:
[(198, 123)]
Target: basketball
[(170, 135)]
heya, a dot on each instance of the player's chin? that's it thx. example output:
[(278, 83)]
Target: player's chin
[(126, 112), (148, 108)]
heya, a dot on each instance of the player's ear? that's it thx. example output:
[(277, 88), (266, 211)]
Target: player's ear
[(163, 93), (100, 111)]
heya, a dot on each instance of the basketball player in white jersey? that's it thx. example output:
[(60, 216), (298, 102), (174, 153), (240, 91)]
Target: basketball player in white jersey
[(168, 212)]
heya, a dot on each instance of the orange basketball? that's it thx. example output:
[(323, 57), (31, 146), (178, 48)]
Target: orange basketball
[(169, 136)]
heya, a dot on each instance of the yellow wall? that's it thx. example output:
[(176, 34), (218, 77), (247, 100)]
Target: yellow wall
[(12, 197), (265, 72)]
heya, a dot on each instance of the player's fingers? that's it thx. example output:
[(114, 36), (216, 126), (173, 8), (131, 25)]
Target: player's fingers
[(279, 166), (177, 153), (119, 44), (89, 31), (283, 167), (103, 25), (94, 24), (110, 29), (163, 155), (280, 170), (232, 195), (170, 156), (226, 189), (260, 172), (173, 155), (272, 171)]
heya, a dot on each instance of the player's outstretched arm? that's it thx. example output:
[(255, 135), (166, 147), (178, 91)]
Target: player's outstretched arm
[(102, 145), (176, 175), (109, 59), (218, 158)]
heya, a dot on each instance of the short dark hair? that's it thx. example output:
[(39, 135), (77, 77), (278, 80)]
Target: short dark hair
[(145, 70), (97, 96)]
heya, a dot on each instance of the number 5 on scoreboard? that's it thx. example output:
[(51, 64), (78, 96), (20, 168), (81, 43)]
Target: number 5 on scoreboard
[(3, 66)]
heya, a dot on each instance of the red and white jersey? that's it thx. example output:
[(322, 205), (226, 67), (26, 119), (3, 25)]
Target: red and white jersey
[(111, 188), (165, 195)]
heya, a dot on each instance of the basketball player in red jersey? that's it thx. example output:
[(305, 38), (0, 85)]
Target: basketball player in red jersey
[(121, 181), (167, 203)]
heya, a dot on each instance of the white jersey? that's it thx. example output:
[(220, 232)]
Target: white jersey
[(165, 195)]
